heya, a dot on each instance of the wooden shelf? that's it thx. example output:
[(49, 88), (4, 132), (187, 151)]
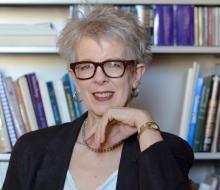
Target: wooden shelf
[(69, 2), (4, 156)]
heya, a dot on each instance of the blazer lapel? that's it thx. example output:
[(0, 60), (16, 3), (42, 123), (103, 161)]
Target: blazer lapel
[(128, 167), (54, 165)]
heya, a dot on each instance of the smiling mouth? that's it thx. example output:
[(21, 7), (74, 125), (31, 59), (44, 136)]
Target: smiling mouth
[(103, 96)]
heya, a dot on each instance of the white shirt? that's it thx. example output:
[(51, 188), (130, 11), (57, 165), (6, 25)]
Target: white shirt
[(109, 184)]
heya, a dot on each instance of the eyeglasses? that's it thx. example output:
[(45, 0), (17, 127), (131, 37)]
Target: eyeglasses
[(111, 68)]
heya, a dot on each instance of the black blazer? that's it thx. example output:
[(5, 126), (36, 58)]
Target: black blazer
[(40, 161)]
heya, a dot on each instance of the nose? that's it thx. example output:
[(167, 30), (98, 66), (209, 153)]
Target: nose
[(100, 76)]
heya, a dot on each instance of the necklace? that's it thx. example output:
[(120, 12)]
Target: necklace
[(99, 150)]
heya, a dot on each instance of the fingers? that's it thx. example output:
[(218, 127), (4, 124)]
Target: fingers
[(89, 134)]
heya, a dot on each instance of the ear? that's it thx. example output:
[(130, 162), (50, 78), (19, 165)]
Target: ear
[(140, 69), (75, 80)]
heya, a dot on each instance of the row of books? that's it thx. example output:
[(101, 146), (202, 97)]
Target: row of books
[(28, 104), (169, 25), (200, 120)]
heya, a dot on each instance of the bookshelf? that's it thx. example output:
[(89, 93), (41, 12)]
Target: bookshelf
[(170, 64)]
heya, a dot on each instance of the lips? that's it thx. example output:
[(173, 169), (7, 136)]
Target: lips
[(103, 96)]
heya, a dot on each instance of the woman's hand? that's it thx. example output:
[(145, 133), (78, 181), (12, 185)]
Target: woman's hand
[(118, 124)]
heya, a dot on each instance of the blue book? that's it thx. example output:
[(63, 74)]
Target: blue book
[(36, 100), (53, 102), (195, 109), (184, 15), (164, 25), (68, 79), (7, 113)]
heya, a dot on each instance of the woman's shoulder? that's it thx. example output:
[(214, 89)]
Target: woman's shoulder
[(179, 148)]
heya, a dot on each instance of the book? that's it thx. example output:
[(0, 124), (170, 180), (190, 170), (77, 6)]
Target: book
[(184, 15), (36, 99), (22, 82), (5, 145), (43, 34), (205, 96), (195, 108), (188, 99), (22, 107), (196, 26), (46, 103), (53, 102), (163, 25), (211, 115), (68, 78), (69, 99), (7, 113), (13, 106), (61, 101)]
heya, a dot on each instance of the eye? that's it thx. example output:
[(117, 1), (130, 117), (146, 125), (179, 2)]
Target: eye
[(85, 67), (115, 64)]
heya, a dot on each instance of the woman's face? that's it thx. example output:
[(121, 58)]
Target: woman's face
[(101, 92)]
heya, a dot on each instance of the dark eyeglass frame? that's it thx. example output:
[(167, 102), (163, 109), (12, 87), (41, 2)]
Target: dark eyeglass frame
[(101, 64)]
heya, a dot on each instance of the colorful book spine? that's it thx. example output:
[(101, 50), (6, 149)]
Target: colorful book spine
[(211, 115), (46, 103), (69, 99), (13, 105), (184, 19), (7, 113), (205, 96), (68, 78), (53, 102), (163, 25), (36, 100), (196, 102), (61, 101)]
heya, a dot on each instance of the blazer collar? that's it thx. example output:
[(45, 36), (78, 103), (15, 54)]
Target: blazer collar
[(55, 164)]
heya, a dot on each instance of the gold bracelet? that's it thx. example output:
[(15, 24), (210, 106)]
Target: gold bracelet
[(148, 125)]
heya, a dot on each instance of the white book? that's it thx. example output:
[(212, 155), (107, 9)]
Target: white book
[(46, 103), (7, 113), (188, 100), (61, 101), (28, 103)]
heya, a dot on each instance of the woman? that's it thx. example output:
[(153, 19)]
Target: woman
[(113, 146)]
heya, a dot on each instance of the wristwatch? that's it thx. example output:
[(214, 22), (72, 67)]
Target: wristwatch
[(148, 125)]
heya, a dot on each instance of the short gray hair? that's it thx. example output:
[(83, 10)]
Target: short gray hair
[(106, 22)]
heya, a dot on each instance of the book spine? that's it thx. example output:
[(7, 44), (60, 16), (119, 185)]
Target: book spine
[(205, 96), (46, 103), (53, 102), (200, 19), (36, 100), (184, 25), (69, 99), (211, 115), (13, 106), (192, 125), (196, 26), (210, 22), (7, 113), (61, 101), (74, 96), (5, 145), (22, 107)]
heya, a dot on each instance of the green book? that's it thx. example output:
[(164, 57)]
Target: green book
[(201, 119)]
